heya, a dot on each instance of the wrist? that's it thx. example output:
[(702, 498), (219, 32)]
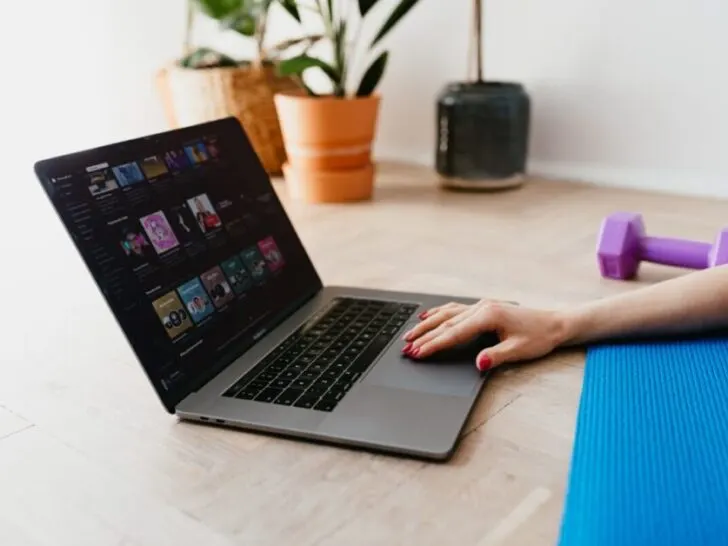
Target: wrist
[(569, 327)]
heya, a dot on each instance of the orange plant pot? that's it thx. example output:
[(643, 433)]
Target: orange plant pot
[(336, 186), (328, 140)]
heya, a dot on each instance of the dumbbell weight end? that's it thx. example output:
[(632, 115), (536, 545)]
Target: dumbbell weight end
[(623, 245)]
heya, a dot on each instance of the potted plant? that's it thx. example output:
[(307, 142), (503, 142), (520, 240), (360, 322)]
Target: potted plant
[(328, 135), (482, 127), (205, 85)]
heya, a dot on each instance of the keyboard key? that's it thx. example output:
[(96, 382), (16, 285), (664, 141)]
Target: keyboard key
[(236, 388), (288, 397), (333, 396), (351, 375), (268, 395), (247, 393), (317, 390), (306, 402), (325, 405), (343, 386), (258, 384), (301, 383)]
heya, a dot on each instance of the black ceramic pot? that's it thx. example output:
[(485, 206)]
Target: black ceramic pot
[(483, 134)]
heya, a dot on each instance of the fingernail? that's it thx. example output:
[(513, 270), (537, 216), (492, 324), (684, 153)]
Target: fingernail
[(415, 352), (407, 348), (423, 315), (484, 362), (407, 335)]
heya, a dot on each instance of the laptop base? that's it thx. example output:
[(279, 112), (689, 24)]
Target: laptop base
[(397, 406)]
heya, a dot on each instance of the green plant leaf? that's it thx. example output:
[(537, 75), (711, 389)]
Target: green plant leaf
[(291, 7), (308, 41), (365, 6), (298, 65), (399, 12), (243, 23), (219, 9), (373, 76), (204, 57), (340, 47)]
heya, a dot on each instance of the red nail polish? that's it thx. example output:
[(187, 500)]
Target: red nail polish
[(415, 352), (484, 363), (423, 315), (407, 348)]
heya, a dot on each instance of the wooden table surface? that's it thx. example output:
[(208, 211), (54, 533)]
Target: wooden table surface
[(89, 457)]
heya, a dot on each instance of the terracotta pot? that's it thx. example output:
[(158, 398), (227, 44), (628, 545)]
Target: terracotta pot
[(328, 143), (192, 96), (329, 186)]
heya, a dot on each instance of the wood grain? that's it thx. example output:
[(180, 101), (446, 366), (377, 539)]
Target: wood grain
[(88, 455)]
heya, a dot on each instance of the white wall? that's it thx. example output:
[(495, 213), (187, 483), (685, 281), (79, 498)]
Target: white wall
[(624, 93)]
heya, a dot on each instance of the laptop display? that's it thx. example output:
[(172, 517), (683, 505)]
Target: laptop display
[(189, 244)]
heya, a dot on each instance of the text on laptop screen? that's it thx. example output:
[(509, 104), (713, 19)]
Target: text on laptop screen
[(187, 241)]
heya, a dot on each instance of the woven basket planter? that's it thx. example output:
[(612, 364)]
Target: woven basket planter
[(192, 96)]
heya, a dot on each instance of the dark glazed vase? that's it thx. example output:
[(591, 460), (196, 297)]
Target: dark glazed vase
[(483, 135)]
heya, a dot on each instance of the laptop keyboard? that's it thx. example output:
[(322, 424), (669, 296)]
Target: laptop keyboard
[(318, 364)]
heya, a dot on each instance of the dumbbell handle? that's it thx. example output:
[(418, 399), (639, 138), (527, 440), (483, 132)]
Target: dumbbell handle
[(675, 252)]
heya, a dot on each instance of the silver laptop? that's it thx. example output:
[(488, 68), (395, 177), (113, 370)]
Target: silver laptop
[(206, 276)]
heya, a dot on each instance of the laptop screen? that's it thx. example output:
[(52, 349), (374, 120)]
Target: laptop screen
[(188, 243)]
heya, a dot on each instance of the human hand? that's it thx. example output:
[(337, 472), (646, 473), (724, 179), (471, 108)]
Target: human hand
[(523, 333)]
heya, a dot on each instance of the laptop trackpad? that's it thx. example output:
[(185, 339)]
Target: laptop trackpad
[(452, 373)]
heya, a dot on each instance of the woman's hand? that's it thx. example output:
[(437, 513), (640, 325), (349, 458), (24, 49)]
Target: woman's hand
[(524, 333)]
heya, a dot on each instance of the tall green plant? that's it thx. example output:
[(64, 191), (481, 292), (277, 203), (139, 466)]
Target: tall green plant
[(343, 36), (247, 18)]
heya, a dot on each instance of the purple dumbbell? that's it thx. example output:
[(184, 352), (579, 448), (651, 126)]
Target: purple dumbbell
[(623, 245)]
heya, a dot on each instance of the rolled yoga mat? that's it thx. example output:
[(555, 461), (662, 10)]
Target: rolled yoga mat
[(650, 457)]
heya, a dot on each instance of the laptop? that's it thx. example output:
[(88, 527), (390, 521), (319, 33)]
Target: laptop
[(212, 287)]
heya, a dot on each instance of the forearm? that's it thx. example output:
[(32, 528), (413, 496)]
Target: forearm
[(688, 304)]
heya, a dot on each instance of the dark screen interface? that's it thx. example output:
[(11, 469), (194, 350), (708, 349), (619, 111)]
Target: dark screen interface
[(189, 245)]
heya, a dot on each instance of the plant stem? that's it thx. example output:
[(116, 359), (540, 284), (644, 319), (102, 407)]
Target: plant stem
[(332, 34), (189, 23), (353, 50), (260, 32), (479, 39)]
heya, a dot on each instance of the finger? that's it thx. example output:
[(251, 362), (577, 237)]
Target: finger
[(434, 310), (432, 333), (460, 332), (433, 321), (507, 350)]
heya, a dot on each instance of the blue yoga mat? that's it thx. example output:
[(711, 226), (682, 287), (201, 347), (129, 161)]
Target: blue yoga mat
[(650, 458)]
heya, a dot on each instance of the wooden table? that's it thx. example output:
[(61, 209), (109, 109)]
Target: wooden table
[(89, 457)]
